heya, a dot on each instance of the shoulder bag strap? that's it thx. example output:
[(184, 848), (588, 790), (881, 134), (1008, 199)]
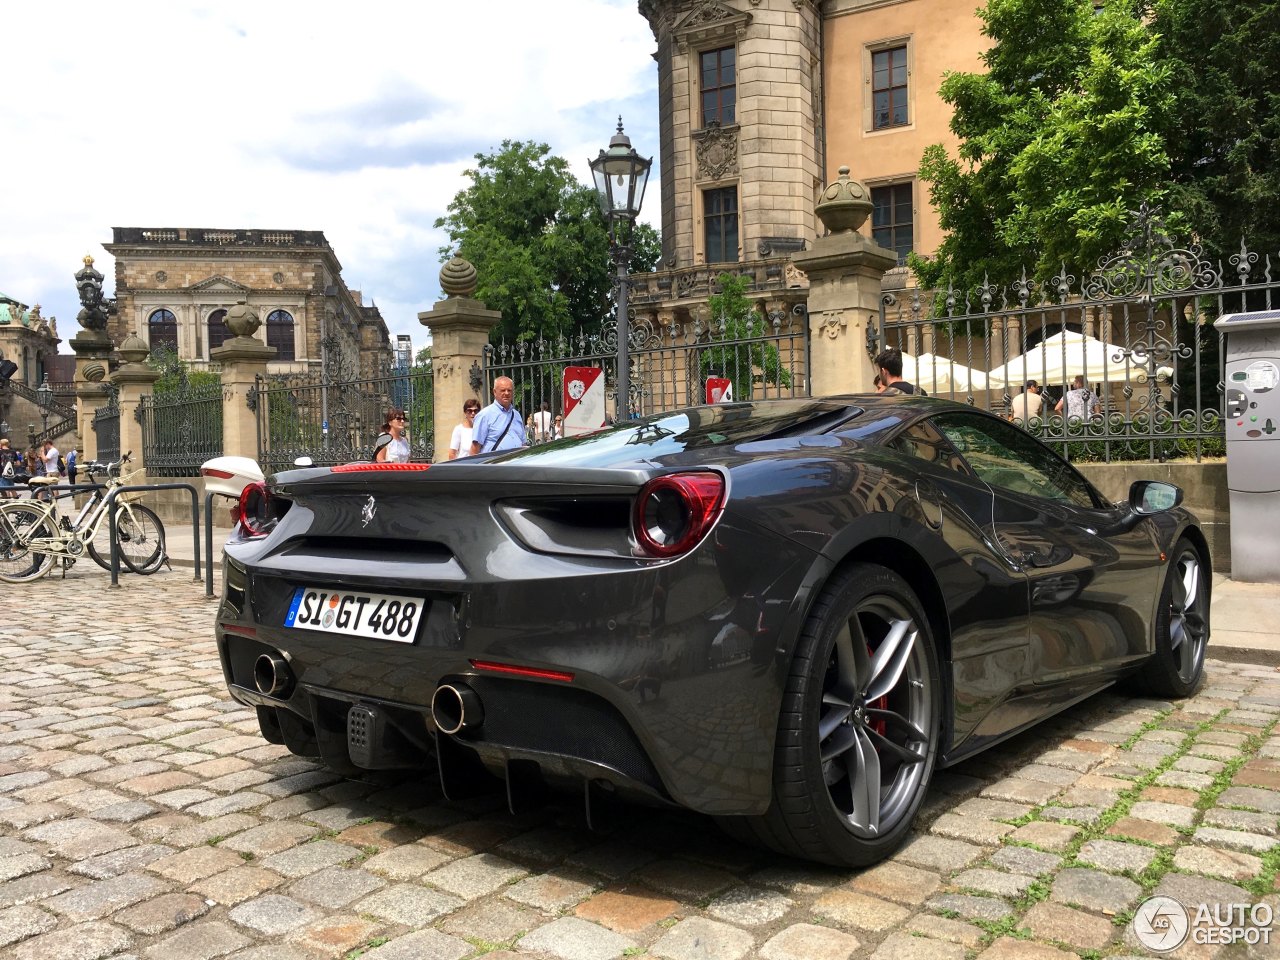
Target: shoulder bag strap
[(511, 415)]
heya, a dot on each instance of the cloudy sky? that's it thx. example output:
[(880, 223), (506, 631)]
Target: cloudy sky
[(352, 118)]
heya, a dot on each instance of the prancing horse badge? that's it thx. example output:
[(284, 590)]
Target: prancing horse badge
[(370, 508)]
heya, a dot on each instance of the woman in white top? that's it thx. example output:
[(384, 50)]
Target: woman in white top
[(393, 445), (460, 443)]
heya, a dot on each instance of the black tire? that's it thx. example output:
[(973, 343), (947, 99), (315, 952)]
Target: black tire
[(141, 541), (18, 564), (1181, 627), (858, 731)]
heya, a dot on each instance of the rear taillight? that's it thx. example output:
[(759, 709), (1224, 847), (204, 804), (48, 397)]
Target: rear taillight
[(673, 513), (258, 511)]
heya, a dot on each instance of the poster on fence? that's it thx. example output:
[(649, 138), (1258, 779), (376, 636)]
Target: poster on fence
[(583, 400), (719, 390)]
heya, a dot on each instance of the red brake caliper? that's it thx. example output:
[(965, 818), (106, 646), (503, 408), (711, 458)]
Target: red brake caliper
[(880, 703)]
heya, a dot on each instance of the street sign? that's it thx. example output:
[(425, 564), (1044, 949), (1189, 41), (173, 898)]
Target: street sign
[(719, 390), (583, 400)]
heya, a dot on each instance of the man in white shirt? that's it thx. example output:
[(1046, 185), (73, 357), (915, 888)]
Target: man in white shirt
[(50, 457), (1026, 405)]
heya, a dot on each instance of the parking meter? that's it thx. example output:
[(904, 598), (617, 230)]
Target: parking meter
[(1252, 410)]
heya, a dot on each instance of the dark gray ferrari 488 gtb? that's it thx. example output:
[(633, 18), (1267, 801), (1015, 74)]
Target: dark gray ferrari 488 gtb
[(783, 614)]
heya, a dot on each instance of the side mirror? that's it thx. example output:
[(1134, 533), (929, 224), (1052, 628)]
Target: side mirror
[(1147, 497)]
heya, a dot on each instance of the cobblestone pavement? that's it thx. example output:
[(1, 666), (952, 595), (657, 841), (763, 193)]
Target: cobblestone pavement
[(142, 815)]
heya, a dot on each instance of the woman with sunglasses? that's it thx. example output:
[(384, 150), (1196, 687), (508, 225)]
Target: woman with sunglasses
[(460, 443), (392, 445)]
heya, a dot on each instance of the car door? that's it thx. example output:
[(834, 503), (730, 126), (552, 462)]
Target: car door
[(987, 595), (1090, 579)]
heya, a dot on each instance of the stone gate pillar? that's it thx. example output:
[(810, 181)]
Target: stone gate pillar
[(845, 271), (93, 352), (459, 332), (134, 380), (243, 359)]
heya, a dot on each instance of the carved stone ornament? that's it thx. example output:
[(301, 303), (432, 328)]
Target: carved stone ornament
[(133, 349), (845, 204), (242, 319), (161, 276), (458, 278), (277, 277), (717, 151), (442, 368), (834, 324), (795, 277), (710, 20)]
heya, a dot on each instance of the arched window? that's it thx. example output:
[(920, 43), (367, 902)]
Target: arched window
[(280, 333), (162, 331), (218, 332)]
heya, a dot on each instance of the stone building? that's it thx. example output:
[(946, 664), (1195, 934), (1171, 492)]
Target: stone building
[(174, 287), (762, 101), (29, 340)]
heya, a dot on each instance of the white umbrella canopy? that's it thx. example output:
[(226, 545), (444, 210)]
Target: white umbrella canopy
[(941, 374), (1058, 359)]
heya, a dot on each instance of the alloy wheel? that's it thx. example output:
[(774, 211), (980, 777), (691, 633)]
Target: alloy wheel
[(874, 714)]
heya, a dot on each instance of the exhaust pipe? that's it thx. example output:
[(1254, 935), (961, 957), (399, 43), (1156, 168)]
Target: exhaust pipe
[(272, 676), (456, 707)]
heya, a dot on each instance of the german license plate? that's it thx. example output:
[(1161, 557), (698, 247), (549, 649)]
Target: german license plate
[(376, 616)]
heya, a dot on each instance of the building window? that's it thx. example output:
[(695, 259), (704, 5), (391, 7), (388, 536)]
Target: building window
[(280, 333), (889, 87), (892, 220), (162, 331), (218, 332), (719, 86), (720, 215)]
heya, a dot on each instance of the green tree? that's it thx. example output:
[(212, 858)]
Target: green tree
[(737, 357), (538, 241), (1068, 130), (1225, 61)]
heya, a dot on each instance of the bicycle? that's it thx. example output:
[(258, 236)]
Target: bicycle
[(33, 535)]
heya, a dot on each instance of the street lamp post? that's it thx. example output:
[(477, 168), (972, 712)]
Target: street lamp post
[(44, 396), (621, 175)]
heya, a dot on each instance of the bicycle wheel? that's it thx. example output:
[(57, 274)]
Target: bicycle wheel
[(19, 524), (141, 538)]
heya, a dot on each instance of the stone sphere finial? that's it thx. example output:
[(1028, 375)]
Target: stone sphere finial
[(133, 349), (242, 319), (845, 204), (458, 278), (94, 372)]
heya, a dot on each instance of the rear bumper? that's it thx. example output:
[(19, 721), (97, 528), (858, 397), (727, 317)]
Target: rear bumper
[(677, 675)]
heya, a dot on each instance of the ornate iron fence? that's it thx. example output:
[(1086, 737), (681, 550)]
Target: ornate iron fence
[(181, 429), (669, 365), (1139, 330), (106, 428), (335, 419)]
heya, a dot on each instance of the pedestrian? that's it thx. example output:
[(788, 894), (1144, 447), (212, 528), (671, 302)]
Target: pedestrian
[(541, 423), (878, 383), (460, 442), (557, 429), (72, 458), (889, 363), (499, 426), (1080, 401), (1026, 405), (53, 465), (8, 469), (392, 445)]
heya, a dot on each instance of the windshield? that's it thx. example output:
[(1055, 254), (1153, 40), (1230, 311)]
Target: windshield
[(698, 427)]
